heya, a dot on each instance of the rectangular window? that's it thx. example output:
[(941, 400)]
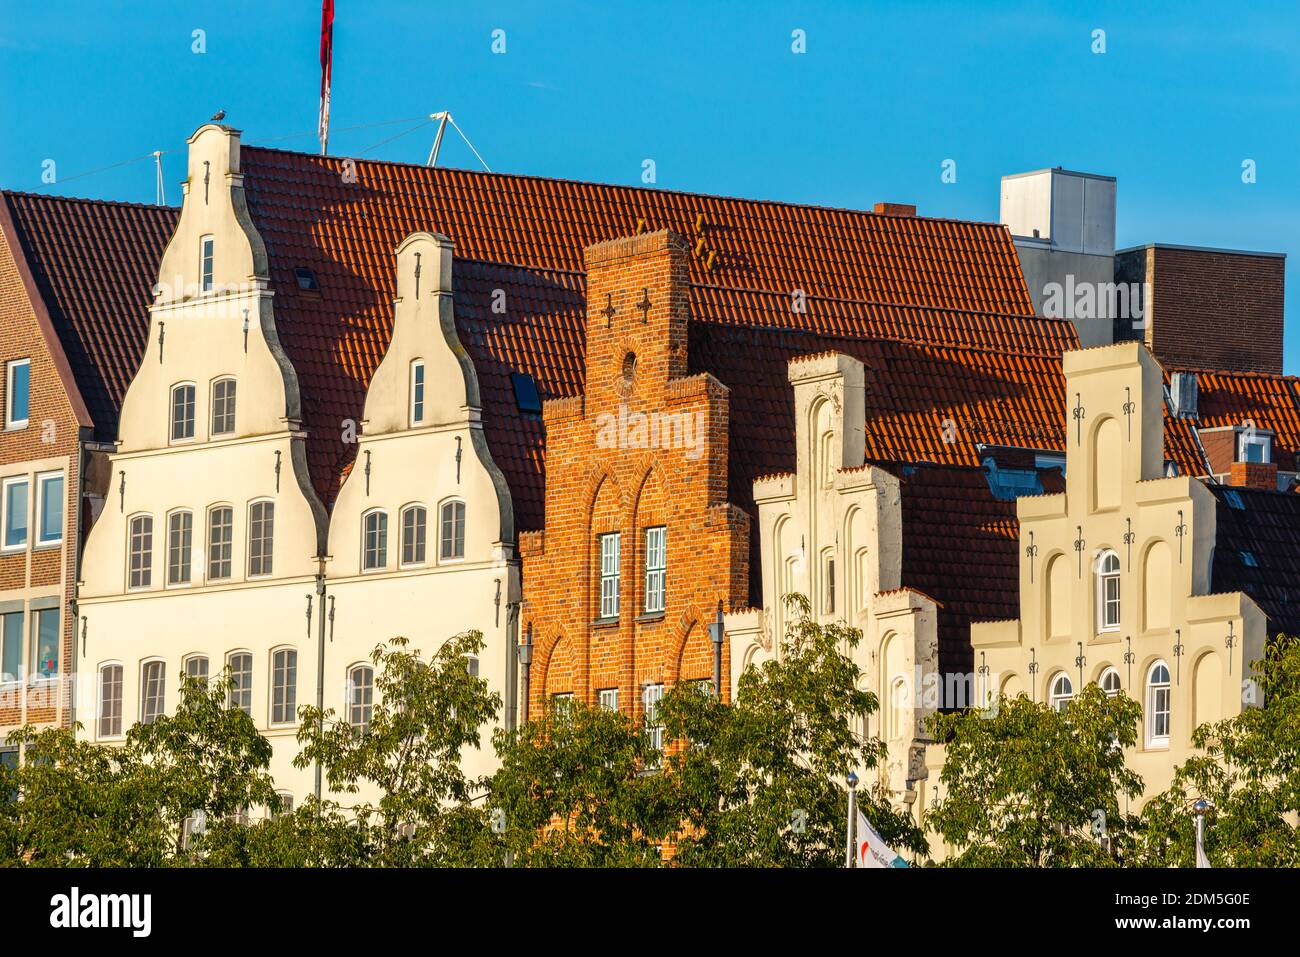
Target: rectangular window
[(609, 555), (830, 586), (608, 698), (1111, 586), (207, 245), (49, 508), (361, 697), (453, 531), (650, 698), (656, 565), (18, 376), (241, 683), (413, 523), (562, 702), (221, 534), (110, 701), (45, 642), (180, 539), (15, 508), (284, 686), (153, 692), (261, 534), (182, 413), (223, 407), (11, 648), (141, 551), (417, 393)]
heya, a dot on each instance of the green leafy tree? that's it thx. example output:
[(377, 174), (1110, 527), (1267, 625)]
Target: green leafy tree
[(758, 781), (426, 714), (578, 787), (1248, 771), (1028, 786), (81, 804)]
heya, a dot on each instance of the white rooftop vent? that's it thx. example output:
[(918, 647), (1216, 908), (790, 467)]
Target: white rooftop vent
[(1074, 212)]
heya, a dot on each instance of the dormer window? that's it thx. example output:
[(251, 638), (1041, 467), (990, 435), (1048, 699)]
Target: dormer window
[(206, 246), (1254, 446)]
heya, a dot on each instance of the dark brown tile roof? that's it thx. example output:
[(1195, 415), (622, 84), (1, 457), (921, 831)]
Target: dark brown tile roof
[(95, 264), (1257, 551)]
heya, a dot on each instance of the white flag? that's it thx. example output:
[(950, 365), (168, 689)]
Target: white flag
[(872, 849)]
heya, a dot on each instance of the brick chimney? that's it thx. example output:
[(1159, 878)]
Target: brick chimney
[(1254, 475), (895, 209)]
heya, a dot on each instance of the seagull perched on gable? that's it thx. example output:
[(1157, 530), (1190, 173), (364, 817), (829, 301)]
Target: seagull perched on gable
[(218, 116)]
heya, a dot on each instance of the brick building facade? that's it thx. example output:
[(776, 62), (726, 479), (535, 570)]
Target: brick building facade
[(640, 542)]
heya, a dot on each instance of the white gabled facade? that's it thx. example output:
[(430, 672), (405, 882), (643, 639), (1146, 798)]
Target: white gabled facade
[(422, 534), (832, 531), (213, 542)]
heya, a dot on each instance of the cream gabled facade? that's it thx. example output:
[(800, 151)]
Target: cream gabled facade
[(1115, 576), (214, 551), (832, 531), (207, 549), (422, 534)]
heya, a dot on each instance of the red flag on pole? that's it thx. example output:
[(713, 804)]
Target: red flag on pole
[(326, 62)]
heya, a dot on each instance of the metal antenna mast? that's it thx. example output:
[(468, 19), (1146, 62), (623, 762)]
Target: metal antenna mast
[(444, 117)]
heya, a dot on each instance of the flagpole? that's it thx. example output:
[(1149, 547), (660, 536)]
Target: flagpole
[(852, 781), (326, 72)]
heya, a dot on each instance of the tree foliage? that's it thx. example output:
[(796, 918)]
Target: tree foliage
[(1028, 786)]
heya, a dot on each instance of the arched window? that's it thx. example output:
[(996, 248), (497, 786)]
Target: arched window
[(240, 667), (180, 543), (182, 417), (1061, 692), (374, 540), (196, 666), (153, 691), (361, 697), (223, 407), (452, 536), (1110, 682), (261, 537), (1108, 606), (1158, 710), (221, 536), (414, 521), (284, 686), (110, 700)]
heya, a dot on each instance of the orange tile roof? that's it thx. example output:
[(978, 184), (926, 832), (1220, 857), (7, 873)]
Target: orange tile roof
[(1237, 398), (852, 264)]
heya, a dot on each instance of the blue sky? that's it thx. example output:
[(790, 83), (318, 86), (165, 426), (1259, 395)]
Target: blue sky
[(710, 91)]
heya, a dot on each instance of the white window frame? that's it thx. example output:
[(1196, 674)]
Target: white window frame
[(1110, 672), (268, 570), (380, 550), (364, 709), (190, 660), (145, 666), (192, 420), (207, 263), (1057, 700), (442, 524), (423, 536), (419, 396), (228, 545), (607, 698), (187, 553), (651, 696), (37, 533), (276, 689), (12, 424), (16, 679), (656, 569), (609, 548), (1151, 705), (1262, 439), (5, 486), (230, 401), (34, 617), (246, 693), (100, 733), (1105, 623), (146, 564)]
